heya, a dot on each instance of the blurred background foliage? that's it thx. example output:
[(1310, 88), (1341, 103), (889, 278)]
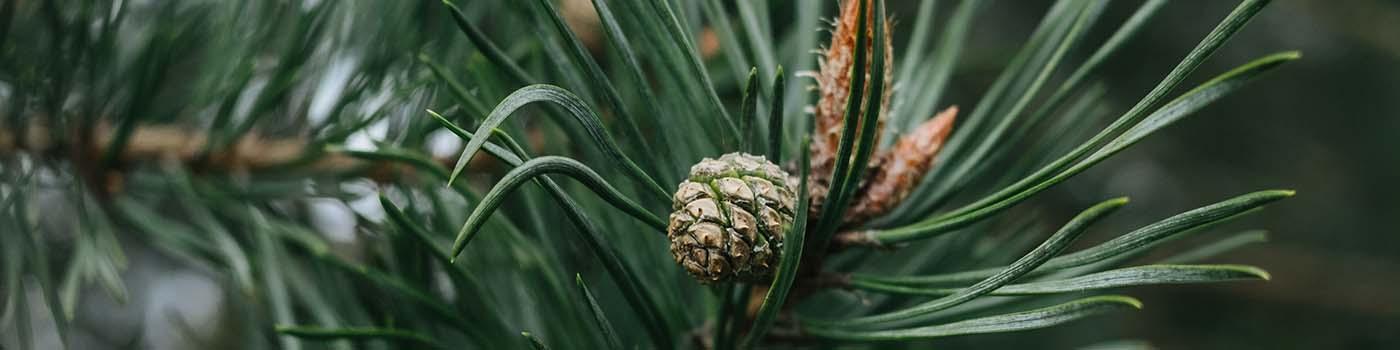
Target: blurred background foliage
[(1328, 126)]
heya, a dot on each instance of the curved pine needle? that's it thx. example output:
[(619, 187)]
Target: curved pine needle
[(1033, 319), (453, 86), (385, 280), (604, 325), (487, 47), (1218, 247), (542, 166), (626, 278), (1132, 276), (601, 82), (679, 37), (415, 159), (1135, 241), (418, 233), (1192, 101), (623, 46), (576, 108), (1035, 258), (459, 276)]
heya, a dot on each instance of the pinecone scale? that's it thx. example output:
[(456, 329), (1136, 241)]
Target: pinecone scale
[(729, 217)]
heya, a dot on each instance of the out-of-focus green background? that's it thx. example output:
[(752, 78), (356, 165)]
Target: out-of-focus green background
[(1327, 125)]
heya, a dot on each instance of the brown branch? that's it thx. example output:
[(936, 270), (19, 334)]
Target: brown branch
[(168, 144)]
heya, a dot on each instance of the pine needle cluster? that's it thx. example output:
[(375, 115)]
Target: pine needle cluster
[(508, 167)]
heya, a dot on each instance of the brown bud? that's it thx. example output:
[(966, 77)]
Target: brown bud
[(900, 168), (834, 81)]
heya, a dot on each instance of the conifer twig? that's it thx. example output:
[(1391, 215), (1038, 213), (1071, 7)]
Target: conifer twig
[(251, 153)]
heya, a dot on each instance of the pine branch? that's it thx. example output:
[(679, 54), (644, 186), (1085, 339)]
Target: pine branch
[(165, 144)]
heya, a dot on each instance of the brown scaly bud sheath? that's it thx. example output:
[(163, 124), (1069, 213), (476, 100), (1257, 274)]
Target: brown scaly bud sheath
[(901, 168), (892, 173), (834, 81)]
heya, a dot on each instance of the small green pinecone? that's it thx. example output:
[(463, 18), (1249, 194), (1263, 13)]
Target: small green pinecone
[(730, 216)]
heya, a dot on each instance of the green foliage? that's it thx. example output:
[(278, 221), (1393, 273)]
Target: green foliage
[(1010, 322), (773, 300), (348, 90)]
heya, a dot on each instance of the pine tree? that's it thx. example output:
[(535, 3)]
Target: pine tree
[(511, 167)]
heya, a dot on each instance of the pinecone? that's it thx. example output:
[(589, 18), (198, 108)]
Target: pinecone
[(730, 216)]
